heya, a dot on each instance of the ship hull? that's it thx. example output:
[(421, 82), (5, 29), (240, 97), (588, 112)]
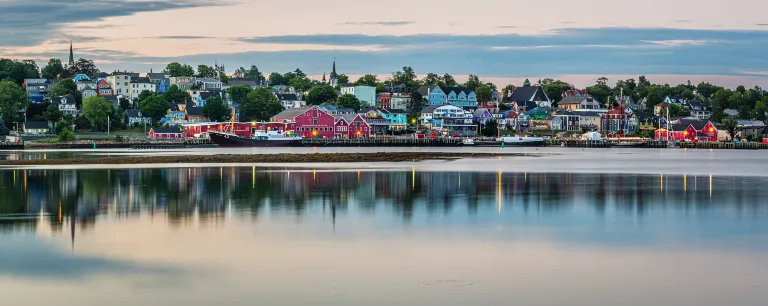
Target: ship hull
[(524, 142), (225, 140)]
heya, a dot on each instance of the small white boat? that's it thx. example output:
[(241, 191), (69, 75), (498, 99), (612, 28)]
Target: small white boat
[(523, 141), (468, 142)]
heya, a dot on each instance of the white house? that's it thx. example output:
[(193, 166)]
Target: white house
[(120, 84), (139, 84), (135, 117), (88, 92), (290, 101), (208, 83), (400, 101), (365, 94), (448, 119), (67, 105)]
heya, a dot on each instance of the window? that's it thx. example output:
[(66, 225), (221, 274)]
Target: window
[(314, 122), (358, 123)]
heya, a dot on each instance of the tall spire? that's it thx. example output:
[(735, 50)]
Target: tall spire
[(333, 72), (71, 55)]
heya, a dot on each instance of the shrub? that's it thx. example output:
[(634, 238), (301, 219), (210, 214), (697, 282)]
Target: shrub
[(66, 135)]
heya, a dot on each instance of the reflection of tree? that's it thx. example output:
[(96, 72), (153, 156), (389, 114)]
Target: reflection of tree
[(187, 195)]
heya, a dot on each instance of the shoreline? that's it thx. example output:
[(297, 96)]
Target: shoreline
[(264, 158)]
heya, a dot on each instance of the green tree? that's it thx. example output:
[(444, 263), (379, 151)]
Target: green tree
[(321, 94), (145, 94), (730, 126), (261, 105), (97, 110), (204, 71), (239, 72), (155, 107), (473, 82), (407, 77), (760, 108), (343, 79), (367, 80), (178, 70), (54, 69), (253, 72), (125, 103), (216, 110), (484, 93), (60, 126), (490, 129), (277, 79), (432, 79), (68, 87), (239, 93), (348, 101), (12, 99), (554, 89), (83, 66), (448, 80), (417, 103), (676, 110), (52, 113), (66, 135), (3, 129), (688, 94), (301, 83), (17, 71), (600, 91), (175, 96)]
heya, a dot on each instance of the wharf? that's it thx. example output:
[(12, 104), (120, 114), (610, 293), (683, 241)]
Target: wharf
[(384, 142)]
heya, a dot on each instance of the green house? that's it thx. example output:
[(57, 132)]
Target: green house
[(537, 113)]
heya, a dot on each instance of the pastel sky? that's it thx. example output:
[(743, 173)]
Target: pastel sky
[(500, 40)]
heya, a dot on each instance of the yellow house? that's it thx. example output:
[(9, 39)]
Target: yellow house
[(36, 128)]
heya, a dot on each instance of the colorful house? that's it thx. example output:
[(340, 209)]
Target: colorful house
[(457, 96), (351, 126), (619, 118), (103, 89), (537, 113), (566, 121), (195, 114), (398, 118), (165, 133), (689, 130), (674, 99), (376, 122), (37, 128), (175, 116), (482, 115), (578, 102), (309, 122)]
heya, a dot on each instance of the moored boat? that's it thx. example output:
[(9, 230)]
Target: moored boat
[(260, 139), (523, 141)]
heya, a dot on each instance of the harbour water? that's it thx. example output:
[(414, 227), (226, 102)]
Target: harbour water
[(405, 236)]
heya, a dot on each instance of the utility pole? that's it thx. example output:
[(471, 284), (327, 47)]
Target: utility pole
[(107, 125)]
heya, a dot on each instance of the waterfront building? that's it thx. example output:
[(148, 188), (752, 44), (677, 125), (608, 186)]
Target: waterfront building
[(365, 94), (529, 93)]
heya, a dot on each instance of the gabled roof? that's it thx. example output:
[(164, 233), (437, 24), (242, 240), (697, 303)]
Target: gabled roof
[(174, 107), (132, 113), (456, 89), (347, 117), (156, 76), (575, 99), (528, 93), (166, 130), (345, 110), (590, 114), (287, 97), (207, 80), (36, 125), (424, 90), (70, 99), (205, 95), (140, 80), (195, 111), (695, 103), (294, 112), (480, 112)]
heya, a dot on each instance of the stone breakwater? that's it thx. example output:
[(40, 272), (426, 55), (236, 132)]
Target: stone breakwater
[(264, 158)]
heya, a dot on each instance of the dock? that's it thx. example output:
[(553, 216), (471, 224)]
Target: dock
[(384, 142)]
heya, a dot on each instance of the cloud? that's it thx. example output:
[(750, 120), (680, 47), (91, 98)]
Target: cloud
[(29, 22), (379, 23), (31, 258), (762, 24), (506, 27), (183, 37)]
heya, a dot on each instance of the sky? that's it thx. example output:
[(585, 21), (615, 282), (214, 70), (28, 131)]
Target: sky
[(503, 41)]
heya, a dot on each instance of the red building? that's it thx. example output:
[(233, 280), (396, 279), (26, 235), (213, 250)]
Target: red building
[(308, 122), (689, 130), (351, 126), (385, 100), (243, 129), (165, 133), (103, 89), (618, 119)]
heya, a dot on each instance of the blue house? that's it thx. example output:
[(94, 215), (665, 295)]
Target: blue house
[(81, 77), (675, 99), (174, 116), (482, 115), (457, 96), (398, 118)]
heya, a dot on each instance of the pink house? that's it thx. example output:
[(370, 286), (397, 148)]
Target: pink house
[(351, 126), (308, 122)]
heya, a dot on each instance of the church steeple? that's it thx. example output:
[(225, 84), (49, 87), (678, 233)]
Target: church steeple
[(71, 55), (334, 76), (323, 77)]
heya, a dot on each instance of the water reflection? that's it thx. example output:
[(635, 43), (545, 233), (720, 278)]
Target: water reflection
[(247, 235), (210, 194)]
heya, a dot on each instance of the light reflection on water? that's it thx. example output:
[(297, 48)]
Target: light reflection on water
[(245, 235)]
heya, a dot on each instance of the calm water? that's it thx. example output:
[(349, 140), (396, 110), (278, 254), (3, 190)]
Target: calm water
[(259, 236)]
